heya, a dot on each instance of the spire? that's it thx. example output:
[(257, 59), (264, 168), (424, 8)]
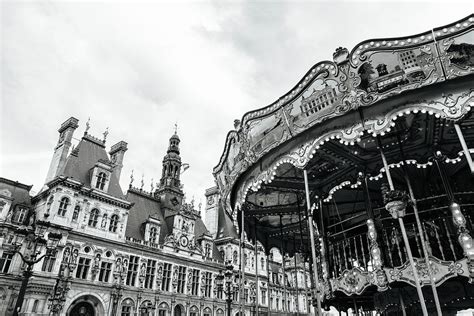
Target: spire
[(170, 178)]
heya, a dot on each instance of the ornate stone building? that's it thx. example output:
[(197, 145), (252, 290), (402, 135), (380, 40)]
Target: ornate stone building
[(133, 253)]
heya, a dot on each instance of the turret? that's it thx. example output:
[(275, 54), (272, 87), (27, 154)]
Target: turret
[(117, 153), (61, 150)]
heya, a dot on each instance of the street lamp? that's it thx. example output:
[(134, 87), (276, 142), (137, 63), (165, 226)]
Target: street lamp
[(34, 236), (228, 290)]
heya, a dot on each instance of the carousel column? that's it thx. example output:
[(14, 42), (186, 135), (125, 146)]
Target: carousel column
[(313, 246), (464, 147), (282, 249), (303, 250), (420, 230), (397, 210), (464, 238), (242, 263)]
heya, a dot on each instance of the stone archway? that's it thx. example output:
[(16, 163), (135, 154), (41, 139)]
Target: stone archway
[(86, 305), (179, 310)]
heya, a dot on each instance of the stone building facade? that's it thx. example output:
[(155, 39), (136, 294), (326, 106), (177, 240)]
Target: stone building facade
[(133, 253)]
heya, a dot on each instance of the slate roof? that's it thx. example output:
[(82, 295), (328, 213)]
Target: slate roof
[(144, 207), (225, 226), (20, 192), (83, 158)]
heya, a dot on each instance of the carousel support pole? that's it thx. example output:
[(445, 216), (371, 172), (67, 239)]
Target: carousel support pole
[(256, 266), (404, 235), (303, 249), (355, 306), (464, 147), (402, 303), (420, 231), (282, 249), (242, 263), (313, 246)]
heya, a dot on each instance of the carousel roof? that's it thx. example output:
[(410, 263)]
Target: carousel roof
[(398, 94)]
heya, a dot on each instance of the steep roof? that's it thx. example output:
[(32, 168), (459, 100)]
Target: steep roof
[(83, 158), (144, 207), (20, 193), (225, 226)]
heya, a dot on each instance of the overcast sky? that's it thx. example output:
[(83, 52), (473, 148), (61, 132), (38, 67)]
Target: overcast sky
[(138, 68)]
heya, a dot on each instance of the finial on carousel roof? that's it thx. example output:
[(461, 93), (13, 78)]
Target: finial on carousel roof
[(88, 126), (131, 179), (106, 133), (142, 183), (237, 124), (340, 55)]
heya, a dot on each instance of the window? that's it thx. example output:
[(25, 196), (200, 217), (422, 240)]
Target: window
[(234, 257), (153, 235), (219, 292), (105, 268), (132, 271), (195, 282), (264, 296), (207, 250), (48, 262), (207, 284), (75, 214), (113, 223), (101, 179), (63, 206), (34, 309), (162, 312), (127, 307), (93, 218), (166, 277), (181, 279), (5, 262), (150, 273), (262, 263), (20, 216), (246, 295), (83, 268)]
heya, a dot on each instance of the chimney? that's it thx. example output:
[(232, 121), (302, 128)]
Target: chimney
[(116, 153), (61, 150)]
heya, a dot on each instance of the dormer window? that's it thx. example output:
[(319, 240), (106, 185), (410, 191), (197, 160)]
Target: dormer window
[(63, 205), (113, 223), (93, 218), (153, 235), (101, 180), (207, 250), (20, 216)]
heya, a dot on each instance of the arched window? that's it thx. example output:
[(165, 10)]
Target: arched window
[(127, 308), (153, 235), (75, 214), (34, 309), (113, 223), (63, 206), (234, 257), (101, 179), (93, 217), (245, 259)]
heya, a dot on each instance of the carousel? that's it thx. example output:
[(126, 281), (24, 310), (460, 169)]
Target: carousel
[(365, 169)]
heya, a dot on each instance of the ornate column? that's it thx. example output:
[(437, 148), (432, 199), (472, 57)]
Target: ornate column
[(464, 238), (317, 291), (378, 277)]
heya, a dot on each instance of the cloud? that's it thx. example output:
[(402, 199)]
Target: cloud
[(138, 68)]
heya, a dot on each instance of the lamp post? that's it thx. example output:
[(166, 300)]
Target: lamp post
[(34, 236), (228, 290)]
